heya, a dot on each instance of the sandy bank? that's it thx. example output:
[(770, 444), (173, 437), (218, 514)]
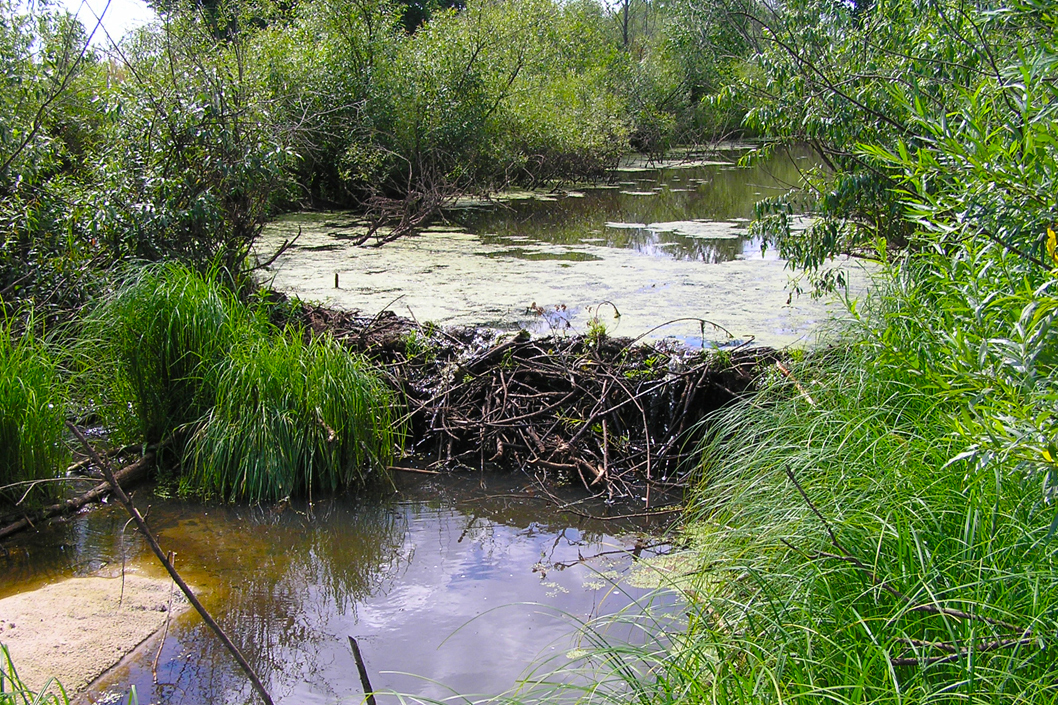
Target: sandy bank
[(76, 629)]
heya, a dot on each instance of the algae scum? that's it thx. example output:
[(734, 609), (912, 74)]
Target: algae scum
[(664, 242)]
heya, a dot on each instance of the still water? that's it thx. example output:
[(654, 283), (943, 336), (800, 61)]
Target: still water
[(663, 242), (455, 584), (458, 582)]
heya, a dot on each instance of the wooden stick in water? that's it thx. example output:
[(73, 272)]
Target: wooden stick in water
[(369, 692), (153, 542)]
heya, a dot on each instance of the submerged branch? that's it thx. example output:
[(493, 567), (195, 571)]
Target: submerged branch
[(131, 473)]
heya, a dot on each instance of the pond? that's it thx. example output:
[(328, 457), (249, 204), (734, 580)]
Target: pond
[(665, 241), (457, 582)]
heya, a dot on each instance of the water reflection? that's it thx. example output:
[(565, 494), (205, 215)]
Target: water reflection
[(460, 580), (714, 192)]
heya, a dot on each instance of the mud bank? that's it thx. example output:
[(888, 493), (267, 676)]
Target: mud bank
[(77, 629)]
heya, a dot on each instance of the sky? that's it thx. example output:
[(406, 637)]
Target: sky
[(120, 17)]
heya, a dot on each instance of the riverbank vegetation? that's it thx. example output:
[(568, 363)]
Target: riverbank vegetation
[(877, 524), (171, 358), (181, 142), (32, 413)]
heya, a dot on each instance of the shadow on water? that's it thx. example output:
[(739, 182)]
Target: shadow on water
[(462, 580)]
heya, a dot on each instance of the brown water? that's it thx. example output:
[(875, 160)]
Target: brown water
[(463, 581), (664, 242)]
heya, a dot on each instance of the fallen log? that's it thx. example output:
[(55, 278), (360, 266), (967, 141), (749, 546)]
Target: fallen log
[(131, 473)]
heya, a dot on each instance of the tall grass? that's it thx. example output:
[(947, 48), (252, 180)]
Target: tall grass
[(263, 414), (32, 409), (150, 347), (877, 534), (291, 417)]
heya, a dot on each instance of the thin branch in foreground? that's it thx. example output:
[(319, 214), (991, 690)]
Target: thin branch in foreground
[(153, 542)]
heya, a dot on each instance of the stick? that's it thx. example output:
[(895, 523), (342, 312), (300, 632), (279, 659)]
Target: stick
[(153, 542), (127, 474), (418, 471), (369, 692), (165, 631), (789, 375)]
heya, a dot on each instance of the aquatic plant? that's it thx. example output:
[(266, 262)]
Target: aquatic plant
[(14, 691), (292, 417), (32, 408), (147, 350)]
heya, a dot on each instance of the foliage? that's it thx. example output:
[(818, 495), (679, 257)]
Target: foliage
[(32, 410), (48, 126), (290, 417), (149, 348), (878, 525), (185, 139), (196, 161), (847, 79)]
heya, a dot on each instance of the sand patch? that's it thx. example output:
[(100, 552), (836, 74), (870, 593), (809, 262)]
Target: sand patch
[(75, 630)]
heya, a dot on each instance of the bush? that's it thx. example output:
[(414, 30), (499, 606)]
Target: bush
[(291, 417)]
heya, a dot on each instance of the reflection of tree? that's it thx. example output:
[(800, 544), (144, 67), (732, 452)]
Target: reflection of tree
[(713, 192), (283, 579)]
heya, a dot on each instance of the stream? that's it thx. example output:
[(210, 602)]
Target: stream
[(457, 582)]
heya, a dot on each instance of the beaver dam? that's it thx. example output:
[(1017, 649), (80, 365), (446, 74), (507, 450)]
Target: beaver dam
[(551, 414), (426, 578), (605, 413)]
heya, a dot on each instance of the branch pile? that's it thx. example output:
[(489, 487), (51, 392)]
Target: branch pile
[(603, 412)]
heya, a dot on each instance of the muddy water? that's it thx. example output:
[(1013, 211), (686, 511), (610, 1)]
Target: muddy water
[(463, 581), (661, 242)]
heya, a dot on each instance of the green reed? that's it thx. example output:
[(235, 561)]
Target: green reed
[(149, 348), (14, 691), (32, 409), (293, 417)]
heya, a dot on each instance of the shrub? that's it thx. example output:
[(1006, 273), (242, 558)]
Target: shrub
[(290, 417)]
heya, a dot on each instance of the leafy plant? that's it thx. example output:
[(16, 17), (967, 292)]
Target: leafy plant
[(292, 417)]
